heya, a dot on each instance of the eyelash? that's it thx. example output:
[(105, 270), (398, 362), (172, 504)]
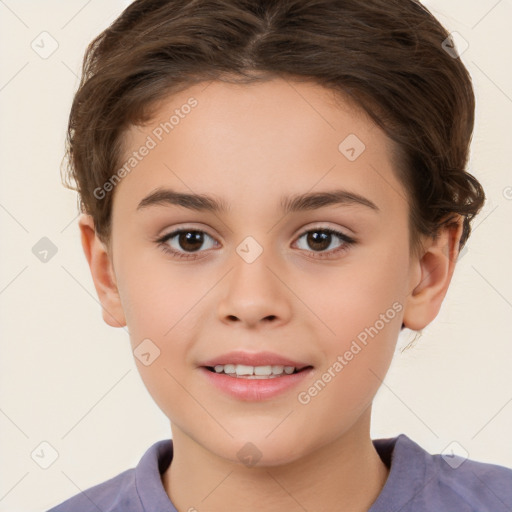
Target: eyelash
[(347, 242)]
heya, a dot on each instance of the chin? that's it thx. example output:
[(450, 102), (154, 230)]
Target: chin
[(254, 450)]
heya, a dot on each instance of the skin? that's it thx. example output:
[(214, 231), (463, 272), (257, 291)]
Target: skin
[(250, 145)]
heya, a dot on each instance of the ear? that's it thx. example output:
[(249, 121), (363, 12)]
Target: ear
[(431, 275), (102, 273)]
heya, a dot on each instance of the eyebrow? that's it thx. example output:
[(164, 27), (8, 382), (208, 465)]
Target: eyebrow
[(299, 202)]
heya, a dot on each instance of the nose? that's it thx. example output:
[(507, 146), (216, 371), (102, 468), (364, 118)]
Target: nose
[(254, 295)]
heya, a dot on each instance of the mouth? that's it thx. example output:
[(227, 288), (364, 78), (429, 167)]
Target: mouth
[(241, 371), (255, 376)]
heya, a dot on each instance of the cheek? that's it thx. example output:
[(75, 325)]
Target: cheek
[(158, 296), (355, 295)]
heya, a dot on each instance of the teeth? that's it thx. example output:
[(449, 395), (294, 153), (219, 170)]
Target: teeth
[(262, 370), (229, 368), (241, 369), (245, 371)]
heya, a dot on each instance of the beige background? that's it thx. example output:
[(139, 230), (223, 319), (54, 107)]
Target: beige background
[(69, 380)]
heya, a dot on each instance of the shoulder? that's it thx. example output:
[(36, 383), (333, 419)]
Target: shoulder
[(484, 487), (130, 490), (421, 481)]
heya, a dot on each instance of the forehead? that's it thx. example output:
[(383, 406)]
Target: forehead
[(243, 141)]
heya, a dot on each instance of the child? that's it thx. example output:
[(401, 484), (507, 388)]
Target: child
[(259, 131)]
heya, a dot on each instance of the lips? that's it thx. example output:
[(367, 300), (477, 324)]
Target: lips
[(251, 381), (255, 389)]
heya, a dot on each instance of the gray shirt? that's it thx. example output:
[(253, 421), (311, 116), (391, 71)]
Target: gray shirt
[(417, 482)]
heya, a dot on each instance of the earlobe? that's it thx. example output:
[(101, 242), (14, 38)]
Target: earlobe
[(102, 273), (431, 275)]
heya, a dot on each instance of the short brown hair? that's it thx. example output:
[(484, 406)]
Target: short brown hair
[(385, 55)]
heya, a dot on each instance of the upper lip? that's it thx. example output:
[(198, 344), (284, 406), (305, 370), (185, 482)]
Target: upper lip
[(254, 359)]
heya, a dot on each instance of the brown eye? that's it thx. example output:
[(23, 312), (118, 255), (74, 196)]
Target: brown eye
[(190, 240), (321, 239), (183, 243)]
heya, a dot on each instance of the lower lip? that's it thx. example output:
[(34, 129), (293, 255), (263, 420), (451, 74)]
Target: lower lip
[(255, 389)]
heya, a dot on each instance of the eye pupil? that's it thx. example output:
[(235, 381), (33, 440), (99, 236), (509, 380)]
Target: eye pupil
[(191, 237), (318, 242)]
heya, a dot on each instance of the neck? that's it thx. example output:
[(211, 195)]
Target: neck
[(345, 474)]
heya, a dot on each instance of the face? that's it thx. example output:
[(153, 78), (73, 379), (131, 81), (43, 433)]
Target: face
[(321, 286)]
